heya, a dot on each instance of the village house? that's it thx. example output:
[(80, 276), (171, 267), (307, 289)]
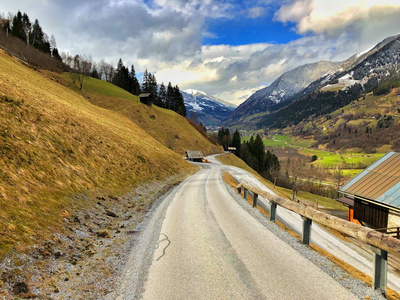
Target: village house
[(373, 196), (146, 98), (196, 156)]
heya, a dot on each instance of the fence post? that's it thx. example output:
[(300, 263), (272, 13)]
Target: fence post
[(306, 231), (379, 269), (272, 216), (245, 193), (255, 200)]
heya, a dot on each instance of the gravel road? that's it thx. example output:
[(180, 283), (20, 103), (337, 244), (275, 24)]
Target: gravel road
[(201, 243)]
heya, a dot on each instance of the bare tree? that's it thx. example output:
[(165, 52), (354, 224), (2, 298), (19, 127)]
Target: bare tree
[(297, 167), (338, 176), (275, 172)]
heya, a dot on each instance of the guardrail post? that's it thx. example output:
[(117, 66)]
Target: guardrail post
[(272, 216), (379, 269), (245, 193), (255, 200), (306, 231)]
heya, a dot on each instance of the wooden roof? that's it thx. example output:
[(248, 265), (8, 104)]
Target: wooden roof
[(144, 95), (380, 182), (194, 154)]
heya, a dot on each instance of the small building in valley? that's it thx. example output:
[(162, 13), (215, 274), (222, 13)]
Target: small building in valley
[(146, 98), (196, 156), (373, 196)]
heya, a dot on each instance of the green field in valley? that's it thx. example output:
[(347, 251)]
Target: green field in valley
[(344, 160)]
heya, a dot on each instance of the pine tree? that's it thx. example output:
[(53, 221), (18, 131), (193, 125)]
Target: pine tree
[(118, 76), (56, 55), (153, 88), (146, 82), (135, 82), (180, 102), (236, 142), (37, 35), (17, 27), (259, 152), (170, 97)]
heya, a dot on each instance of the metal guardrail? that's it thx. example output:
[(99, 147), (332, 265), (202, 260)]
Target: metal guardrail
[(380, 243)]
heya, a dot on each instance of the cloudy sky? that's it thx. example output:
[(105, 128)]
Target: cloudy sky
[(226, 48)]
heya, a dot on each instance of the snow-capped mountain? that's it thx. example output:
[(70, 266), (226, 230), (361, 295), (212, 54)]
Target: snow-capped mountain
[(208, 109), (375, 62), (360, 73), (281, 90)]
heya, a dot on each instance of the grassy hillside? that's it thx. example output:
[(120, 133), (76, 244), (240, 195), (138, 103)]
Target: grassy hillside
[(59, 151), (166, 126), (368, 124)]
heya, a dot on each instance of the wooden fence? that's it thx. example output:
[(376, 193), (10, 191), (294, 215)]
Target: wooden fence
[(380, 243)]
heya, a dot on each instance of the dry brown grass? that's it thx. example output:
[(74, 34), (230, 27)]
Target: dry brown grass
[(55, 144), (166, 126)]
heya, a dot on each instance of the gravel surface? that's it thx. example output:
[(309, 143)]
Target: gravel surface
[(86, 260)]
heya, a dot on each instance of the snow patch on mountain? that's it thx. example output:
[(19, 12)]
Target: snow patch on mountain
[(206, 108)]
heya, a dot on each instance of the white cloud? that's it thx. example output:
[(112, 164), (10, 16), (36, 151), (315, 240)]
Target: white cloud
[(256, 12), (165, 36), (334, 17)]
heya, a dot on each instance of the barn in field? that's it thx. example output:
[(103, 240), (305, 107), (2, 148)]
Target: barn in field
[(146, 98), (373, 196), (196, 156)]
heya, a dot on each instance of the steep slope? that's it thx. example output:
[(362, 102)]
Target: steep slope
[(166, 126), (280, 90), (206, 108), (58, 152), (369, 124), (340, 87)]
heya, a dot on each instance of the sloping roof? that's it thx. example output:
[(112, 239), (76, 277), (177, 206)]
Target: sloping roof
[(346, 201), (380, 182), (144, 95), (194, 154)]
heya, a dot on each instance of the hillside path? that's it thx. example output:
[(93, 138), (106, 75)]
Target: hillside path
[(209, 247)]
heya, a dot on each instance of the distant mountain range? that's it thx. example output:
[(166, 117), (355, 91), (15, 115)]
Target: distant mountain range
[(318, 88), (280, 91), (361, 73), (207, 109)]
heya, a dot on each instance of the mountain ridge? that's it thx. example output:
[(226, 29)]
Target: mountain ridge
[(340, 86), (280, 90), (205, 108)]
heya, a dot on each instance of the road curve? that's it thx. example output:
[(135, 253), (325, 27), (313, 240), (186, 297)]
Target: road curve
[(209, 247), (346, 251)]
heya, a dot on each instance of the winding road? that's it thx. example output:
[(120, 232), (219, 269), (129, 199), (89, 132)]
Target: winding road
[(201, 244)]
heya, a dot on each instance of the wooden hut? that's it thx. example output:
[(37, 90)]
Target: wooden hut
[(373, 196), (146, 98), (194, 156)]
